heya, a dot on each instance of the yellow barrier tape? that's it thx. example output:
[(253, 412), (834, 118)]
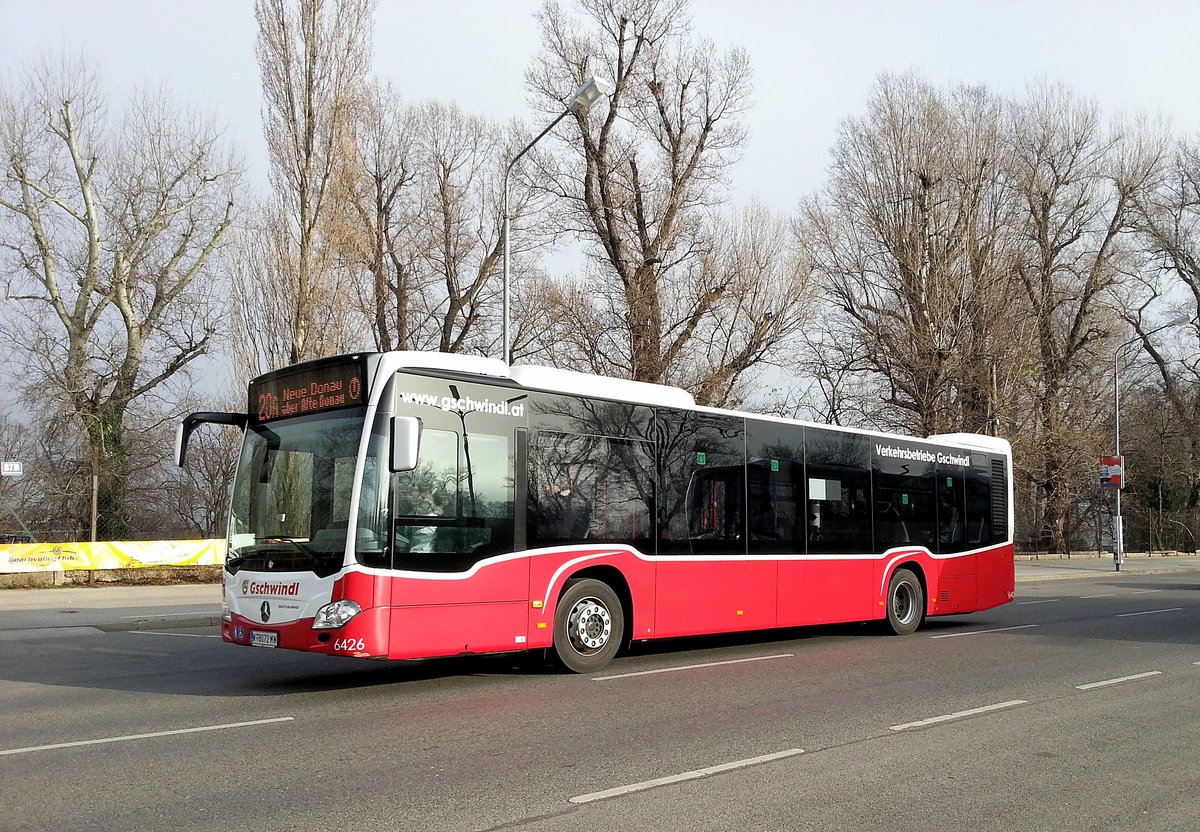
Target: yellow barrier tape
[(120, 554)]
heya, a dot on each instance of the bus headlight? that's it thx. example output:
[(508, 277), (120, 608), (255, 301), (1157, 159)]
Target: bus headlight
[(337, 614), (226, 615)]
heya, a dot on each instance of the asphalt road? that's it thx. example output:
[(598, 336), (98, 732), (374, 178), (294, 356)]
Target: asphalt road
[(1075, 707)]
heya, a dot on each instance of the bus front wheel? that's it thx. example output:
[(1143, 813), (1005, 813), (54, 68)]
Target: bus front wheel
[(589, 625), (905, 602)]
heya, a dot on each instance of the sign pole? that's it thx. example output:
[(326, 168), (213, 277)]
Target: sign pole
[(15, 469)]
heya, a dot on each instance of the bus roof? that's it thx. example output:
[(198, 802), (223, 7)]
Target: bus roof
[(554, 380)]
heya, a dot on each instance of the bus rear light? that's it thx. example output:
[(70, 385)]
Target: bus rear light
[(337, 614)]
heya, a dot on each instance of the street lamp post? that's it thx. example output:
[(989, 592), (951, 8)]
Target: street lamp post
[(585, 96), (1118, 522)]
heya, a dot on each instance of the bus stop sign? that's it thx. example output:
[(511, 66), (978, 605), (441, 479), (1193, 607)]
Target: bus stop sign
[(1112, 472)]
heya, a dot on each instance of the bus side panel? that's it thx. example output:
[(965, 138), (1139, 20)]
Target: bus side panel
[(956, 585), (549, 573), (997, 578), (500, 580), (447, 614), (825, 591), (368, 590), (695, 597), (428, 631)]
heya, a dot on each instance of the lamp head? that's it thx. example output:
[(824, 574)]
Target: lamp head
[(589, 93)]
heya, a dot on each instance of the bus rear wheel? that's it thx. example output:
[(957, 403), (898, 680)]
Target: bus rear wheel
[(589, 625), (905, 602)]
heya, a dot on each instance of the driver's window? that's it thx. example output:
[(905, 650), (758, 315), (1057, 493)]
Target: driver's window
[(430, 489)]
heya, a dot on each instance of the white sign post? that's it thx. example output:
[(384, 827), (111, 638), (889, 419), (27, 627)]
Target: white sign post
[(13, 468)]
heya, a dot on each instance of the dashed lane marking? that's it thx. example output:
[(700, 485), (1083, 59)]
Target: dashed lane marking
[(146, 736), (690, 667), (1108, 682), (687, 775), (982, 632), (934, 720)]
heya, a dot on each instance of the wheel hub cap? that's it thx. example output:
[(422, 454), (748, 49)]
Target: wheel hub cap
[(589, 625)]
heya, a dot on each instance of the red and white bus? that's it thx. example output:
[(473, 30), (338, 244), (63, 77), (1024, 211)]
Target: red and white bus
[(409, 505)]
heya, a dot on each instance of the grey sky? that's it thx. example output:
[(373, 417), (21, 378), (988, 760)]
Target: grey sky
[(814, 61)]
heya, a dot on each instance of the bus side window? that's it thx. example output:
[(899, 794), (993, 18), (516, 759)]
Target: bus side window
[(839, 519), (715, 511), (951, 506), (702, 484), (589, 488), (979, 508), (890, 529), (431, 489)]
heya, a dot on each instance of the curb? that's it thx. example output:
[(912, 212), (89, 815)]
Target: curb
[(152, 623), (149, 622), (1095, 573), (142, 576)]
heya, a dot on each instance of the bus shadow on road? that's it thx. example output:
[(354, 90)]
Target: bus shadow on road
[(363, 674)]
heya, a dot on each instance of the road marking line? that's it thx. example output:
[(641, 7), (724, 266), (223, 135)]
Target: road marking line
[(1149, 612), (981, 632), (140, 654), (1046, 601), (1107, 682), (936, 719), (690, 667), (1109, 595), (1145, 591), (146, 736), (687, 775), (168, 615), (177, 635)]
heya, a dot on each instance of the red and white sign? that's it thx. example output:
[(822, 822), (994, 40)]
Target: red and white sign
[(1112, 472)]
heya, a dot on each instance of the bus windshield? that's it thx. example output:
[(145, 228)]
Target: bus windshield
[(291, 497)]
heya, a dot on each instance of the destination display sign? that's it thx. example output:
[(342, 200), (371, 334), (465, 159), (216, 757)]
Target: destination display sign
[(300, 391)]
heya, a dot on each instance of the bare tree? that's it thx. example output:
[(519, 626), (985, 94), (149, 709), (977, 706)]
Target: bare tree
[(313, 56), (455, 236), (428, 208), (1076, 182), (110, 227), (1169, 222), (646, 176), (385, 173), (910, 242)]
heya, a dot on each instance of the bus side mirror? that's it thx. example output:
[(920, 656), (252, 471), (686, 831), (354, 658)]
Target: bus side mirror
[(406, 442), (195, 420), (181, 439)]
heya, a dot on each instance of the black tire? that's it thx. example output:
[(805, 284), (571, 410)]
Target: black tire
[(905, 603), (589, 625)]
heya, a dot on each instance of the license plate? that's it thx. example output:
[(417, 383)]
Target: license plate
[(262, 638)]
